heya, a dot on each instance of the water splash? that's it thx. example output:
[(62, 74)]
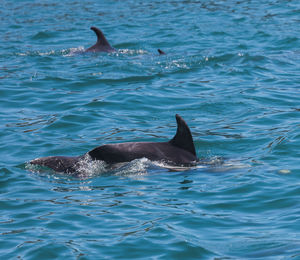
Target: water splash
[(88, 168)]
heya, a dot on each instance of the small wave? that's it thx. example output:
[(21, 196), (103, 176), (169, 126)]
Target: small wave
[(131, 52), (135, 168), (43, 35), (220, 164), (176, 168), (36, 53), (73, 51), (30, 122), (43, 53)]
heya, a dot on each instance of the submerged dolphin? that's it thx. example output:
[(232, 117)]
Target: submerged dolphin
[(102, 44), (180, 150)]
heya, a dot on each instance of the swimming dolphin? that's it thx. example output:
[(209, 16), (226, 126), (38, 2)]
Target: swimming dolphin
[(102, 44), (180, 150)]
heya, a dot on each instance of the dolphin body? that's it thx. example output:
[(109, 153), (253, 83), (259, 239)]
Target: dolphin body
[(180, 150), (102, 45)]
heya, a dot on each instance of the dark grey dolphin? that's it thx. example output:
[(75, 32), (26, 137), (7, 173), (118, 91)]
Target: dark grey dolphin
[(102, 44), (180, 150)]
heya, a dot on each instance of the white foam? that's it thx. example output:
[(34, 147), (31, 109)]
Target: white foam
[(136, 167), (219, 164), (87, 167), (74, 51)]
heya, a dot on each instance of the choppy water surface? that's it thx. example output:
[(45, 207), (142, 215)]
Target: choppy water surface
[(231, 71)]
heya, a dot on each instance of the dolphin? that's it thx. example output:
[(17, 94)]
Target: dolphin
[(180, 150), (102, 45)]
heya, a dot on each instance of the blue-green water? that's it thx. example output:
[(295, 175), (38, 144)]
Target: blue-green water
[(231, 71)]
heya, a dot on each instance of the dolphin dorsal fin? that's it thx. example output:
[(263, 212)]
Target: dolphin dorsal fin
[(101, 40), (183, 138), (161, 52)]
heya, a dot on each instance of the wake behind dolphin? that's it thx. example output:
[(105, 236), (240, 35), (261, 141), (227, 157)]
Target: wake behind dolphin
[(180, 150)]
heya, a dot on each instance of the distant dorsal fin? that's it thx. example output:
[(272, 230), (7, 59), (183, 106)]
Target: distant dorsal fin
[(161, 52), (101, 40), (183, 138)]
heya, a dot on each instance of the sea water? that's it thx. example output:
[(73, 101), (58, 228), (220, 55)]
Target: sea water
[(231, 70)]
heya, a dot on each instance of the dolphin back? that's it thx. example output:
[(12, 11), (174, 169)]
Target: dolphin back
[(58, 163)]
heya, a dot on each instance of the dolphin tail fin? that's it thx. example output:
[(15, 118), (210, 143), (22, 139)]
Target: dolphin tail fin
[(183, 138)]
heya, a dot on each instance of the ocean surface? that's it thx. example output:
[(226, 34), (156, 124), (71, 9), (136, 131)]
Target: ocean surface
[(232, 71)]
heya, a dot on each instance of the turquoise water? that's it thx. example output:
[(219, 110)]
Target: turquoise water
[(231, 71)]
